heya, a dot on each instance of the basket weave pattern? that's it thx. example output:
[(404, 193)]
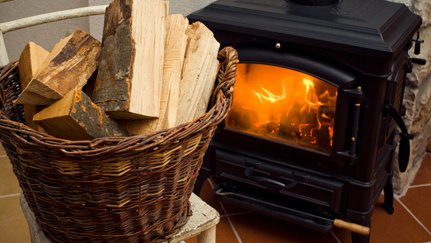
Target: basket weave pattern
[(133, 189)]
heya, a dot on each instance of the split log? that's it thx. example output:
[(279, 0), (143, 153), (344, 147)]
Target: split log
[(199, 72), (175, 47), (75, 117), (69, 65), (30, 61), (212, 70), (128, 84)]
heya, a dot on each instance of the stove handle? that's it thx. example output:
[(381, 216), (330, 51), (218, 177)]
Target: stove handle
[(248, 173), (404, 148)]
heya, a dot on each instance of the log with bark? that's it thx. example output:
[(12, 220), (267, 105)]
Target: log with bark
[(75, 117), (69, 65), (128, 84)]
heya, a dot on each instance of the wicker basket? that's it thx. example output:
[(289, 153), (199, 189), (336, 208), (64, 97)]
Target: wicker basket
[(111, 189)]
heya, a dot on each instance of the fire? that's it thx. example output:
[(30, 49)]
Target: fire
[(270, 96), (285, 105)]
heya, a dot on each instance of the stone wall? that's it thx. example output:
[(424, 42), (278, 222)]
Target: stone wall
[(417, 100)]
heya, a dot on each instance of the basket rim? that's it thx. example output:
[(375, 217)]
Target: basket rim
[(222, 99)]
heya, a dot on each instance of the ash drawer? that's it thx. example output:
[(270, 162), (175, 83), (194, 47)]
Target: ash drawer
[(281, 180)]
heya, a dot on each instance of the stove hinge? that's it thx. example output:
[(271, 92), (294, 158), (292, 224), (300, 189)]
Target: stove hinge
[(357, 95)]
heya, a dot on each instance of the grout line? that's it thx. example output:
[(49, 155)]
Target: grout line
[(235, 232), (211, 183), (9, 195), (411, 213), (335, 236), (421, 185), (235, 214)]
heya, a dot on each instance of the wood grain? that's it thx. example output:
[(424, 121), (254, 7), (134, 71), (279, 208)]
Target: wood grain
[(175, 47), (199, 70), (69, 65), (75, 117), (30, 61), (129, 79)]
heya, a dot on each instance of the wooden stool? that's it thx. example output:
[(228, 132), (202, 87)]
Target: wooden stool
[(202, 223)]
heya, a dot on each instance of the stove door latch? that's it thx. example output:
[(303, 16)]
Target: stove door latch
[(404, 149)]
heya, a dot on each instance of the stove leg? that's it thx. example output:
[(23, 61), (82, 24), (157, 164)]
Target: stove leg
[(358, 238), (388, 203)]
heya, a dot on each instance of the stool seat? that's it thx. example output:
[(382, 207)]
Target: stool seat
[(202, 223)]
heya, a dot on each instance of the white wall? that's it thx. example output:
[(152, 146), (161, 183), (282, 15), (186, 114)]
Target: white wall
[(47, 34)]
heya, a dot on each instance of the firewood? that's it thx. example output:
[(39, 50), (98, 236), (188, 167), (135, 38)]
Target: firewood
[(175, 47), (30, 61), (129, 79), (199, 70), (75, 117), (69, 65), (212, 70)]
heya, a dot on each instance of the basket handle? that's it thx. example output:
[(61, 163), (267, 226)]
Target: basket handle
[(228, 58)]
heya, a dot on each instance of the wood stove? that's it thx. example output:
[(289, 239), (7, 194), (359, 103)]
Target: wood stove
[(310, 137)]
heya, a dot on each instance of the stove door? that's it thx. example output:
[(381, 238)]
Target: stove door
[(296, 100), (285, 105)]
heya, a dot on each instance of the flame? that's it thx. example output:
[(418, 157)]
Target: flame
[(283, 104), (310, 95), (269, 96)]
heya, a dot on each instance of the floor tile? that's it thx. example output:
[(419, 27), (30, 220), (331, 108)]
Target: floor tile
[(255, 228), (8, 182), (13, 226), (418, 201), (399, 227), (224, 233), (424, 173)]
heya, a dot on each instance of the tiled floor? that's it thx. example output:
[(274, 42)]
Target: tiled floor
[(410, 223)]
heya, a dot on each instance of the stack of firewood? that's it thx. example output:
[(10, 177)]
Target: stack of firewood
[(151, 72)]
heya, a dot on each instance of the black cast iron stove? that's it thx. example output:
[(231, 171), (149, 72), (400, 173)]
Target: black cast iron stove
[(310, 137)]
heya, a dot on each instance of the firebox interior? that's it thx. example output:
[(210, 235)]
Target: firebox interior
[(283, 104)]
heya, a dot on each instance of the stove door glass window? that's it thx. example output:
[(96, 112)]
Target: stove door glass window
[(284, 105)]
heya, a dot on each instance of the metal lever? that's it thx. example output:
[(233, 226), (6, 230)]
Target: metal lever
[(404, 149), (418, 43), (419, 61)]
